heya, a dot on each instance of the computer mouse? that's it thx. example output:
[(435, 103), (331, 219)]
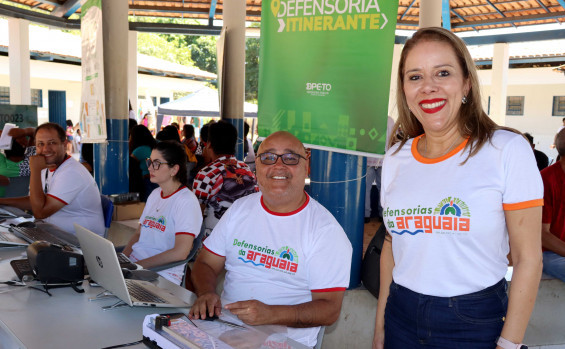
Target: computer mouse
[(26, 224)]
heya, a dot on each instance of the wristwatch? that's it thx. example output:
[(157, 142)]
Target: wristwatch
[(506, 344)]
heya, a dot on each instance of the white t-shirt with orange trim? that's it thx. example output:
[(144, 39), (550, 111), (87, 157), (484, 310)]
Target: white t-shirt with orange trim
[(447, 221), (281, 258), (163, 218), (74, 186)]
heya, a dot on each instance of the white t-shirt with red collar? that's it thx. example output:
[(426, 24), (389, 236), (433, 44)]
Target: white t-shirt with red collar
[(281, 258), (447, 219), (163, 218), (74, 186)]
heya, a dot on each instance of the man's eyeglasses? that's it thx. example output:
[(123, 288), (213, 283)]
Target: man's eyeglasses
[(287, 159), (156, 164)]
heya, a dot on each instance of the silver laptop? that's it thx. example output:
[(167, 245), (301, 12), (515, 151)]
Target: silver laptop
[(104, 268), (8, 239)]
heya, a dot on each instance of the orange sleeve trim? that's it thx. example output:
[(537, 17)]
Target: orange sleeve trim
[(56, 198), (333, 289), (185, 233), (522, 205), (212, 252)]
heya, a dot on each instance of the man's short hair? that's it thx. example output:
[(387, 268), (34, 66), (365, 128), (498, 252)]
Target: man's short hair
[(560, 143), (222, 137), (529, 137), (52, 126)]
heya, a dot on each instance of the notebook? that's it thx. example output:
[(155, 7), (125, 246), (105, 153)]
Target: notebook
[(104, 268)]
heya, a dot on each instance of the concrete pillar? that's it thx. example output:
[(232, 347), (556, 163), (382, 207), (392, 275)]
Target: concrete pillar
[(392, 110), (500, 61), (111, 158), (430, 13), (132, 70), (234, 68), (18, 52)]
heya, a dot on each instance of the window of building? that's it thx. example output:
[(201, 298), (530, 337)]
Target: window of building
[(154, 100), (515, 105), (558, 106), (4, 95), (164, 100), (37, 97)]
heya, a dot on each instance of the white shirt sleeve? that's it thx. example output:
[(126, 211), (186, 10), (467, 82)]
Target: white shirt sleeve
[(523, 181)]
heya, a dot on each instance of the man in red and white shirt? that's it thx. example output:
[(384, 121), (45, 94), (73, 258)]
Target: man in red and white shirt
[(287, 259), (225, 179), (61, 191)]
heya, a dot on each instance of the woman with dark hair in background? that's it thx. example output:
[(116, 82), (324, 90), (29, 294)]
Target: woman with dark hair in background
[(141, 142), (458, 194), (171, 218)]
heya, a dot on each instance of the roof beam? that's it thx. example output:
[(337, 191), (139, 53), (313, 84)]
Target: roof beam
[(508, 20), (212, 12), (499, 12), (407, 9), (33, 16), (505, 38), (67, 9), (168, 28), (445, 16)]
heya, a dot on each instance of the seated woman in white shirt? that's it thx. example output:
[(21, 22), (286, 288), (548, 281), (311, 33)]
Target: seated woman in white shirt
[(172, 217)]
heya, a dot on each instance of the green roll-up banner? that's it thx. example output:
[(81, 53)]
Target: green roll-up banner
[(325, 71)]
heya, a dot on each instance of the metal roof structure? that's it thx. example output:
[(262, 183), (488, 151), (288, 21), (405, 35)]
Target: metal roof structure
[(463, 15)]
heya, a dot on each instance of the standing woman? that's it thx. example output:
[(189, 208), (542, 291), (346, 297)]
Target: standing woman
[(459, 193), (171, 218)]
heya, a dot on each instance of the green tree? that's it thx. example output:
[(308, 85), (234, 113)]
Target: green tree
[(157, 45), (203, 53), (251, 69)]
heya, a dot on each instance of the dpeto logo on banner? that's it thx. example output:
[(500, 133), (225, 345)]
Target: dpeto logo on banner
[(325, 71)]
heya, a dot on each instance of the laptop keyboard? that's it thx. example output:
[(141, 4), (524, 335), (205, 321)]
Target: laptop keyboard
[(141, 294), (34, 234)]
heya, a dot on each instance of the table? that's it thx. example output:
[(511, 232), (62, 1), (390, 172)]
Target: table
[(32, 319)]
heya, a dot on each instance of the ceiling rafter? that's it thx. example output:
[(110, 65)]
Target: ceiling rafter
[(463, 15)]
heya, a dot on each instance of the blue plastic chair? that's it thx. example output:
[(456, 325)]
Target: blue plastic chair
[(107, 210)]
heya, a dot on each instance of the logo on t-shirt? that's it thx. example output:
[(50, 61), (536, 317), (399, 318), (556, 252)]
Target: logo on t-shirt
[(155, 223), (285, 259), (450, 216)]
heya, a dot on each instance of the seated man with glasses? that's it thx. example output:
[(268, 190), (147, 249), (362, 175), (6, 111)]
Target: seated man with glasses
[(225, 179), (287, 259), (61, 191)]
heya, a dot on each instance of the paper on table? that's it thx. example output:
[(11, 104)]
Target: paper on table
[(5, 139)]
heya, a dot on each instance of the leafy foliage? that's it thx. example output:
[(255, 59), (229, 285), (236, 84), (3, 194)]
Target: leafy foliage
[(251, 69), (203, 53)]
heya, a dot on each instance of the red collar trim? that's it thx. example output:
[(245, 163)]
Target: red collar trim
[(67, 158), (176, 191), (287, 213)]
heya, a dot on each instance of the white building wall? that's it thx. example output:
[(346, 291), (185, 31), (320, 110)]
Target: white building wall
[(58, 76), (538, 86)]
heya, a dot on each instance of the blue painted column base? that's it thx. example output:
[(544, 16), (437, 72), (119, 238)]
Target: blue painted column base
[(238, 123), (111, 160), (337, 181)]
